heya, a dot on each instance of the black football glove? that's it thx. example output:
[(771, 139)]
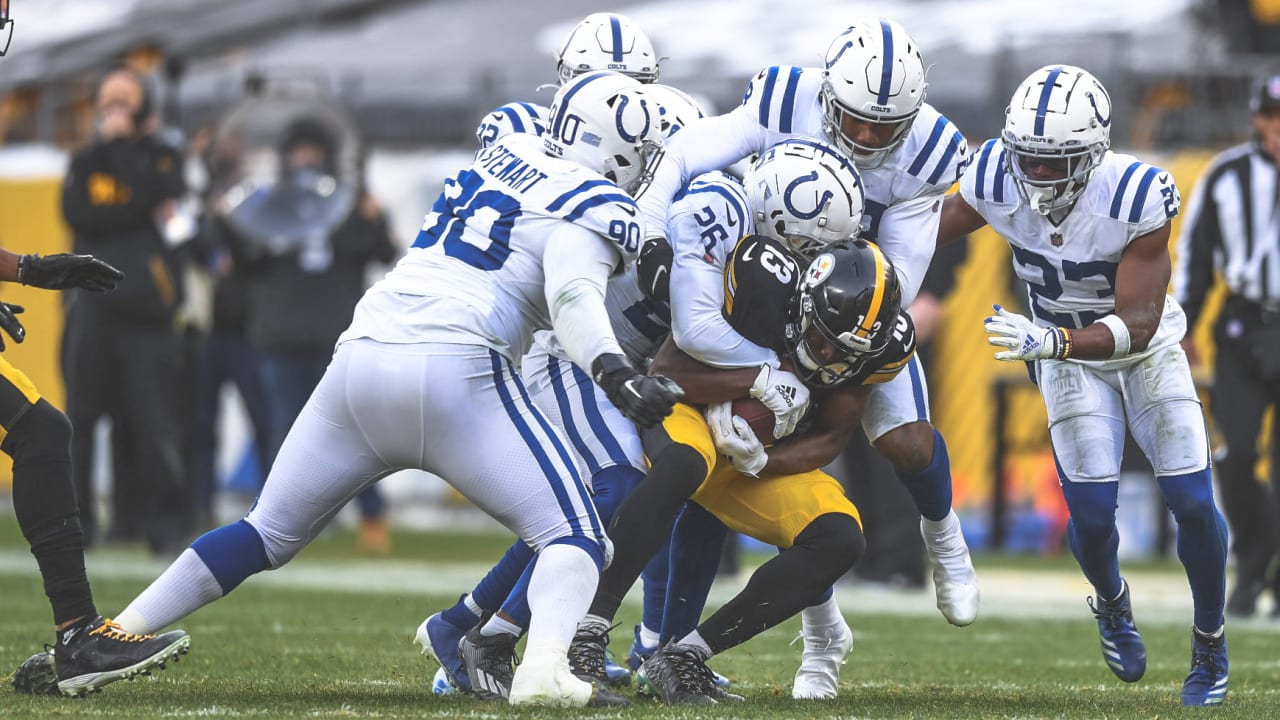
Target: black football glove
[(64, 270), (10, 324), (643, 399), (653, 269)]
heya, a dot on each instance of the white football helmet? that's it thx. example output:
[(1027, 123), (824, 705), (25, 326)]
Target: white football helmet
[(515, 117), (675, 107), (874, 73), (1060, 115), (605, 122), (608, 41), (806, 194)]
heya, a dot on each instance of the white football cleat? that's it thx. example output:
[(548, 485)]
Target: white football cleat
[(954, 580), (543, 678), (824, 652)]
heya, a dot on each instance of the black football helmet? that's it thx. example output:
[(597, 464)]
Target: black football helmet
[(844, 312)]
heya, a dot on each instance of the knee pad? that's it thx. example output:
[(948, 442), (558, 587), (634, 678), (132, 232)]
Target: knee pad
[(835, 540)]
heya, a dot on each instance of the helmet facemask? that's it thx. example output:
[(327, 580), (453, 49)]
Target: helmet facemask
[(1047, 196)]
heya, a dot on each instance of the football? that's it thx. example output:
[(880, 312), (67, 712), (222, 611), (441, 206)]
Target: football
[(759, 417)]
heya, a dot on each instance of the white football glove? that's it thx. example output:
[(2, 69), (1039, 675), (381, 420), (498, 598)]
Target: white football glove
[(785, 396), (1024, 339), (734, 437)]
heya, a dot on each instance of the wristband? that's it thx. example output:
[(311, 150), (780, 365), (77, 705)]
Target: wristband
[(1119, 333), (24, 262)]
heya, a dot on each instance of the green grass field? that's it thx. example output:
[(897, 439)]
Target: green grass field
[(277, 649)]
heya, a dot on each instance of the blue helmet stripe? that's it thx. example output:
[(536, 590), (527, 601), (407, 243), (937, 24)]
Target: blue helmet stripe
[(886, 63), (616, 26), (516, 122), (826, 150), (788, 101), (1118, 200), (563, 106), (1043, 108)]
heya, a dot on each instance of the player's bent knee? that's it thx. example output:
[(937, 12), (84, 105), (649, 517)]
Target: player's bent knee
[(836, 539), (909, 448), (681, 466), (42, 435), (601, 551)]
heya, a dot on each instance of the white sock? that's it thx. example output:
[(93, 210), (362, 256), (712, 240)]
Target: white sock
[(182, 589), (696, 640), (822, 615), (560, 592), (497, 626), (649, 638), (942, 528), (471, 605)]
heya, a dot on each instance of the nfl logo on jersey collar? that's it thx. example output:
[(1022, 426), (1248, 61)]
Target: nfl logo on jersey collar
[(1056, 239)]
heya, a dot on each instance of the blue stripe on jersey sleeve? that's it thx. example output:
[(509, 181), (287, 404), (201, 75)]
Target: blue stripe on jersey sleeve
[(998, 187), (979, 189), (788, 108), (1140, 198), (597, 200), (950, 152), (923, 156), (767, 98), (1118, 200), (584, 187)]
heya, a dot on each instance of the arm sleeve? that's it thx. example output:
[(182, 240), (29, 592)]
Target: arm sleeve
[(698, 325), (708, 144), (1201, 236), (577, 264), (908, 234)]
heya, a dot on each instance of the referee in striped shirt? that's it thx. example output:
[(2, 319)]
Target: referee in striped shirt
[(1233, 228)]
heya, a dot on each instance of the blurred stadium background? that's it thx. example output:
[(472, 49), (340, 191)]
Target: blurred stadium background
[(417, 77)]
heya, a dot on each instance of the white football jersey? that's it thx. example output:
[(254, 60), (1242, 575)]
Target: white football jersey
[(1070, 269), (705, 223), (474, 274), (902, 195)]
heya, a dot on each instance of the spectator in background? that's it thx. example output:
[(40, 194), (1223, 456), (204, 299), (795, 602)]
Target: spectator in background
[(1232, 228), (121, 353), (301, 296), (223, 352)]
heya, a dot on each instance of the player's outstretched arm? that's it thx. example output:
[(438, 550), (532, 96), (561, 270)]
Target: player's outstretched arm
[(64, 271)]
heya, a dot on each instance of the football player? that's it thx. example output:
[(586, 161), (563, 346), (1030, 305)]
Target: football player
[(523, 239), (89, 651), (840, 324), (1089, 230), (803, 195), (605, 444), (867, 100)]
